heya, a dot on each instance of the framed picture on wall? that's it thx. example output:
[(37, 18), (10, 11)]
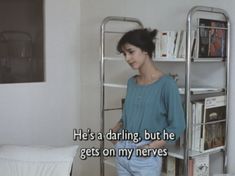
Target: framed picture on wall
[(21, 41)]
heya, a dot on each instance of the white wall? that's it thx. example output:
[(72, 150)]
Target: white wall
[(45, 113), (160, 14)]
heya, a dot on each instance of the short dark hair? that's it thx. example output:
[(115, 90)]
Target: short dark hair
[(141, 38)]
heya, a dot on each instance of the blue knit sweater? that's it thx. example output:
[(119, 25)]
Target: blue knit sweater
[(153, 107)]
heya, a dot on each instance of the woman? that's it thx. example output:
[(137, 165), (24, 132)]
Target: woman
[(152, 103)]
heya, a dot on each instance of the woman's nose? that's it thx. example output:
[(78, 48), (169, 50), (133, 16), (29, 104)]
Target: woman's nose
[(127, 57)]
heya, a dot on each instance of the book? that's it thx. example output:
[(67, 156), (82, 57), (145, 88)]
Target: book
[(177, 43), (194, 44), (214, 123), (198, 109), (212, 38), (197, 166), (157, 45), (171, 163), (201, 165), (179, 165), (164, 38), (190, 167), (172, 44), (172, 166), (165, 44), (182, 49), (193, 122)]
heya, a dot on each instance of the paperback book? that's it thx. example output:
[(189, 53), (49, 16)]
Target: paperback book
[(201, 165), (170, 44)]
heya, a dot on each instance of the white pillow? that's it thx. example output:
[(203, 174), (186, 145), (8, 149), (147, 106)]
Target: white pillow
[(36, 161)]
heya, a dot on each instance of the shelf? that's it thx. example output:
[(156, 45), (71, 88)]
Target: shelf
[(113, 109), (193, 153), (114, 32), (115, 85), (175, 151), (114, 58), (194, 91), (172, 59), (192, 60), (214, 27), (178, 152), (211, 122), (154, 59), (110, 161), (207, 59), (169, 59), (197, 91)]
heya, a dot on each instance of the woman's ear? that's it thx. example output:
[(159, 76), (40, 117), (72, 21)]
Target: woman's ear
[(145, 52)]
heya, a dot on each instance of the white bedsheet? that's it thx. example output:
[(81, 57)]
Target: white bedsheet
[(36, 161)]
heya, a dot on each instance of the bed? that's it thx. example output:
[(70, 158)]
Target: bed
[(18, 160)]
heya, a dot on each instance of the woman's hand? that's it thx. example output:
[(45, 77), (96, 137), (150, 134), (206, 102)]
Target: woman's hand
[(157, 144), (153, 145), (114, 142), (115, 129)]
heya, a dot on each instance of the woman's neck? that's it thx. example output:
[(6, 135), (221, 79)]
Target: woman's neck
[(149, 73)]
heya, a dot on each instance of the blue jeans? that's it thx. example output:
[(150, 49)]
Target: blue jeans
[(137, 165)]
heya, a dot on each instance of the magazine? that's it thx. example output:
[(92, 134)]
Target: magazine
[(213, 134), (212, 38)]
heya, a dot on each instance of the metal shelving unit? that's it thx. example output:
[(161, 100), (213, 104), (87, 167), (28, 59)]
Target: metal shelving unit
[(103, 84), (188, 96)]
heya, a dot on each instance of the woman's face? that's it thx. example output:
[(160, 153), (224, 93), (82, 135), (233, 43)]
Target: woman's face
[(134, 56)]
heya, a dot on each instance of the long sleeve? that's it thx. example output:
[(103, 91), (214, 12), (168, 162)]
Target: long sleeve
[(174, 109)]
